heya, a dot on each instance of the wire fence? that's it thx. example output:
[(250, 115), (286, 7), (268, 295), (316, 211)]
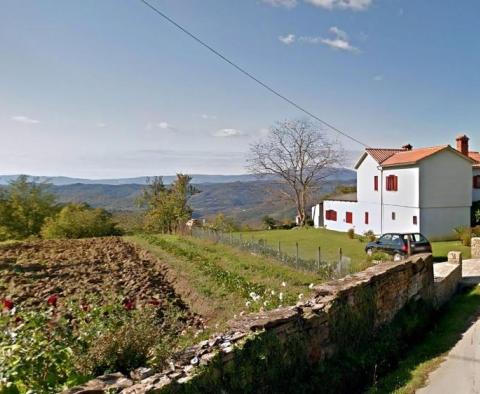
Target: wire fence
[(328, 269)]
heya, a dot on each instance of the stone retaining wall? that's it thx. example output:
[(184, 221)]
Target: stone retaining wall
[(272, 351), (447, 277), (475, 248)]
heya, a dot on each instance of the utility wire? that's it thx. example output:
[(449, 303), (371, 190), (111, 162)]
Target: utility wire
[(245, 72)]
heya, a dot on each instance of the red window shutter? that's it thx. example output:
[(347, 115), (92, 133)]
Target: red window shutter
[(395, 180), (394, 216), (375, 183), (349, 217), (366, 217), (392, 183)]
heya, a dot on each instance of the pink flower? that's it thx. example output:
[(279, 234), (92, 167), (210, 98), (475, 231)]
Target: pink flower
[(8, 304), (128, 304), (52, 300)]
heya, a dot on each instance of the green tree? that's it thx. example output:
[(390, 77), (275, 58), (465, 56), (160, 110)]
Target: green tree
[(223, 223), (269, 222), (80, 221), (167, 208), (24, 207)]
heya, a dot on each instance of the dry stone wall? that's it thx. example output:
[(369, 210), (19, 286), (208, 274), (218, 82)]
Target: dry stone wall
[(309, 344)]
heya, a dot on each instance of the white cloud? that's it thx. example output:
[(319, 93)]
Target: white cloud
[(355, 5), (101, 125), (281, 3), (160, 125), (378, 78), (164, 125), (25, 119), (288, 39), (228, 133), (340, 40), (208, 117)]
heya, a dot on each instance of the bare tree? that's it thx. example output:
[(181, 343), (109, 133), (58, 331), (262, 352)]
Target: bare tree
[(299, 155)]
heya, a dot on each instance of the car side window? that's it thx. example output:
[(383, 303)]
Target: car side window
[(385, 239), (396, 239)]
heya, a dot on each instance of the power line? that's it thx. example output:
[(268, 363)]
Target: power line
[(245, 72)]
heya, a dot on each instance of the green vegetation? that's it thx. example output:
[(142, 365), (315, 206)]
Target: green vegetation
[(223, 281), (49, 349), (24, 207), (420, 360), (79, 221), (167, 208), (309, 239)]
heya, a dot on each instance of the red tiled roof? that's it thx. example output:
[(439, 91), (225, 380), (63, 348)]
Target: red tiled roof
[(412, 156), (475, 156), (382, 154)]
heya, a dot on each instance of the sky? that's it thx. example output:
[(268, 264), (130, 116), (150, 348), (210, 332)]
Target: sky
[(107, 88)]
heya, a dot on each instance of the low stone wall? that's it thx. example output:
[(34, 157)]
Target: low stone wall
[(447, 278), (475, 248), (332, 342)]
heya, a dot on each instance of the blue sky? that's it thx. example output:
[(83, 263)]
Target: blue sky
[(108, 89)]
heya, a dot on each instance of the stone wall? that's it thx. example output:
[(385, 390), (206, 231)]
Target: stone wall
[(311, 343), (475, 248), (447, 277)]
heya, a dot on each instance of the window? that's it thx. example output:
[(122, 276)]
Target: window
[(415, 220), (348, 217), (394, 216), (366, 217), (375, 183), (476, 182), (331, 215), (392, 183)]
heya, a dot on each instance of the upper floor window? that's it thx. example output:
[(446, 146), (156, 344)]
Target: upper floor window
[(349, 217), (476, 182), (375, 183), (415, 220), (366, 217), (331, 215), (392, 183)]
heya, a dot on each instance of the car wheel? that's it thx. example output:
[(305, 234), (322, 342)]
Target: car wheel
[(397, 257), (369, 251)]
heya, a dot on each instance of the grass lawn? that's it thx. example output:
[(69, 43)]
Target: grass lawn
[(217, 279), (413, 370), (309, 239)]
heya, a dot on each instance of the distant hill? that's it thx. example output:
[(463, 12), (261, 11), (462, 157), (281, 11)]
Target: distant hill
[(342, 174)]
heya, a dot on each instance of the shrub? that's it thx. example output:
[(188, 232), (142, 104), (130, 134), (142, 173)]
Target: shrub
[(379, 256), (369, 235), (80, 221), (351, 233), (464, 235)]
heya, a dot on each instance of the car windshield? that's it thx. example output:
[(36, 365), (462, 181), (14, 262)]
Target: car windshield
[(385, 238)]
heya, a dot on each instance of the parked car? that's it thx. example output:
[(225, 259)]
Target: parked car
[(396, 244)]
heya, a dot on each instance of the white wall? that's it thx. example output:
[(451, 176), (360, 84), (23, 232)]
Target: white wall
[(365, 186), (475, 192), (407, 194), (438, 223), (445, 181), (403, 222), (358, 210)]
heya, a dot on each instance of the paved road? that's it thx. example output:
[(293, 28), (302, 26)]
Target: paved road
[(460, 372)]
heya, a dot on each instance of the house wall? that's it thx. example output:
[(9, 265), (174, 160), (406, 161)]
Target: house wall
[(358, 211), (407, 194), (475, 192), (403, 222), (317, 215), (365, 174), (438, 223), (445, 181)]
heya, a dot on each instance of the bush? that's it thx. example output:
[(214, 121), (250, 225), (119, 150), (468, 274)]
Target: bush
[(464, 235), (80, 221), (369, 235), (351, 233)]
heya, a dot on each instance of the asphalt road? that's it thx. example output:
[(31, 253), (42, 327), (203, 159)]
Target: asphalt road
[(460, 372)]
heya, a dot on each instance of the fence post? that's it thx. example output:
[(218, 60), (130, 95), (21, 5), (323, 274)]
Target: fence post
[(279, 250), (319, 258), (296, 254), (340, 255)]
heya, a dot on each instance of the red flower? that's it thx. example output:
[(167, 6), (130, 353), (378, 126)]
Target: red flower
[(8, 304), (52, 300), (154, 301), (128, 304), (85, 307)]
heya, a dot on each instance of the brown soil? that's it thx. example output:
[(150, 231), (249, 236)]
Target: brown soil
[(104, 268)]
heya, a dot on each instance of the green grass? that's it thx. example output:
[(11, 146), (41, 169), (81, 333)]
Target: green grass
[(413, 370), (309, 239), (215, 279)]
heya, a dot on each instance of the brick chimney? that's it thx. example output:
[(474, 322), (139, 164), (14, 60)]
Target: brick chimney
[(462, 144), (407, 147)]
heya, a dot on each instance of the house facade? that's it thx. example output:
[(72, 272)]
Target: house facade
[(428, 190)]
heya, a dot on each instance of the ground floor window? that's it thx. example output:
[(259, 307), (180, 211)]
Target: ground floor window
[(349, 217), (366, 217), (394, 216), (330, 214), (415, 220)]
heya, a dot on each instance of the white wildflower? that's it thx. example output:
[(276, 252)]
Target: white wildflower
[(273, 292), (247, 304), (265, 303), (300, 296), (310, 286), (284, 284), (242, 313), (280, 296)]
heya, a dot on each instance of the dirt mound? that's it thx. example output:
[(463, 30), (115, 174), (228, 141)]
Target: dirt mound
[(104, 268)]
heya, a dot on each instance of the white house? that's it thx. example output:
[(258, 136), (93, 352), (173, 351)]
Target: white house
[(427, 190)]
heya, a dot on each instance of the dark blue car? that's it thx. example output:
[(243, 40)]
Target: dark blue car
[(396, 245)]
